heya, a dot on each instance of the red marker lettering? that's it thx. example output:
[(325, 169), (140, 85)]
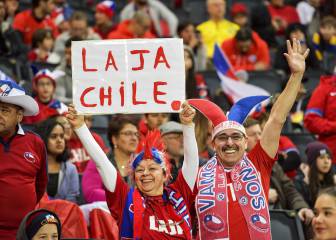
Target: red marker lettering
[(86, 91), (134, 100), (156, 92), (85, 69), (103, 96), (122, 94), (160, 58), (141, 52), (110, 62)]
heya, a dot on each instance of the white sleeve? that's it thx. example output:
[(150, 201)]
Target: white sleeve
[(105, 168), (191, 159)]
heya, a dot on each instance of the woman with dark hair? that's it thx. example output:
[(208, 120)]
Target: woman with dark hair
[(324, 222), (63, 177), (123, 136), (319, 172)]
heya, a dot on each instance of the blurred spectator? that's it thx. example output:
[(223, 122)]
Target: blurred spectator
[(137, 27), (11, 44), (324, 42), (298, 32), (306, 10), (192, 39), (64, 83), (247, 51), (320, 117), (12, 7), (288, 154), (28, 21), (152, 121), (61, 15), (239, 14), (324, 222), (217, 29), (195, 84), (44, 86), (282, 15), (123, 136), (103, 16), (203, 128), (261, 22), (78, 154), (42, 46), (78, 28), (62, 174), (158, 13), (40, 224), (317, 174), (282, 193), (23, 169), (66, 125), (172, 138)]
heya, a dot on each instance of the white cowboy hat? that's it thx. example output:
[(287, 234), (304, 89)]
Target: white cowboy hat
[(11, 92)]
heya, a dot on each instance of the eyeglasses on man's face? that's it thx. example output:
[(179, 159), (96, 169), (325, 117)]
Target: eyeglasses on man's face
[(236, 137)]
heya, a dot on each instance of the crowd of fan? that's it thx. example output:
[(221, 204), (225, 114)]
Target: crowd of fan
[(252, 37)]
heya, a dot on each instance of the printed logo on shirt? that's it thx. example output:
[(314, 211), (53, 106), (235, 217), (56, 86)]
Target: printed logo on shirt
[(172, 228), (29, 157), (252, 58), (333, 94)]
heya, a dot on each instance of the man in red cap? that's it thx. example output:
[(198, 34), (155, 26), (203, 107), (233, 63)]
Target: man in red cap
[(231, 202), (103, 16)]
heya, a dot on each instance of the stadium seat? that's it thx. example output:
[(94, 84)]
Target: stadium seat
[(41, 65), (197, 11), (313, 77), (301, 140), (286, 225), (268, 80), (71, 216), (212, 81)]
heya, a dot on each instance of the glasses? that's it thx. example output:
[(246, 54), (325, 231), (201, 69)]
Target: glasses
[(130, 134), (234, 137)]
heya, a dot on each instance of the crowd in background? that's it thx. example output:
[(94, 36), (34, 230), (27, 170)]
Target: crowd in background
[(35, 51)]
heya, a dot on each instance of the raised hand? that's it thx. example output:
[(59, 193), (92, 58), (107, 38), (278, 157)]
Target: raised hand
[(75, 120), (187, 114), (295, 57)]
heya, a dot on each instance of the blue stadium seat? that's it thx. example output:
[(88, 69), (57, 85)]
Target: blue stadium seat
[(301, 140), (286, 225)]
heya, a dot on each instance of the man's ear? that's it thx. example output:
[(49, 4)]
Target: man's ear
[(19, 115)]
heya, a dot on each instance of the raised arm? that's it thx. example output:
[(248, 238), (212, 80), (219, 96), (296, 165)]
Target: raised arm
[(191, 159), (271, 133), (105, 168)]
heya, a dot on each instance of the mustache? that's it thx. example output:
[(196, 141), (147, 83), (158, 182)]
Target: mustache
[(229, 148)]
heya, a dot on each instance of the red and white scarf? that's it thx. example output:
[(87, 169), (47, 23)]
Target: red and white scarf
[(212, 200)]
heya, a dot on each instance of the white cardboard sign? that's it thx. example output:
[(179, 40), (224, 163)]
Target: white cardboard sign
[(128, 76)]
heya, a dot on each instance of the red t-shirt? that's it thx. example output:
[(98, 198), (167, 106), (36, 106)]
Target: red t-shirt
[(237, 224), (152, 215), (79, 156), (287, 13), (25, 23)]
